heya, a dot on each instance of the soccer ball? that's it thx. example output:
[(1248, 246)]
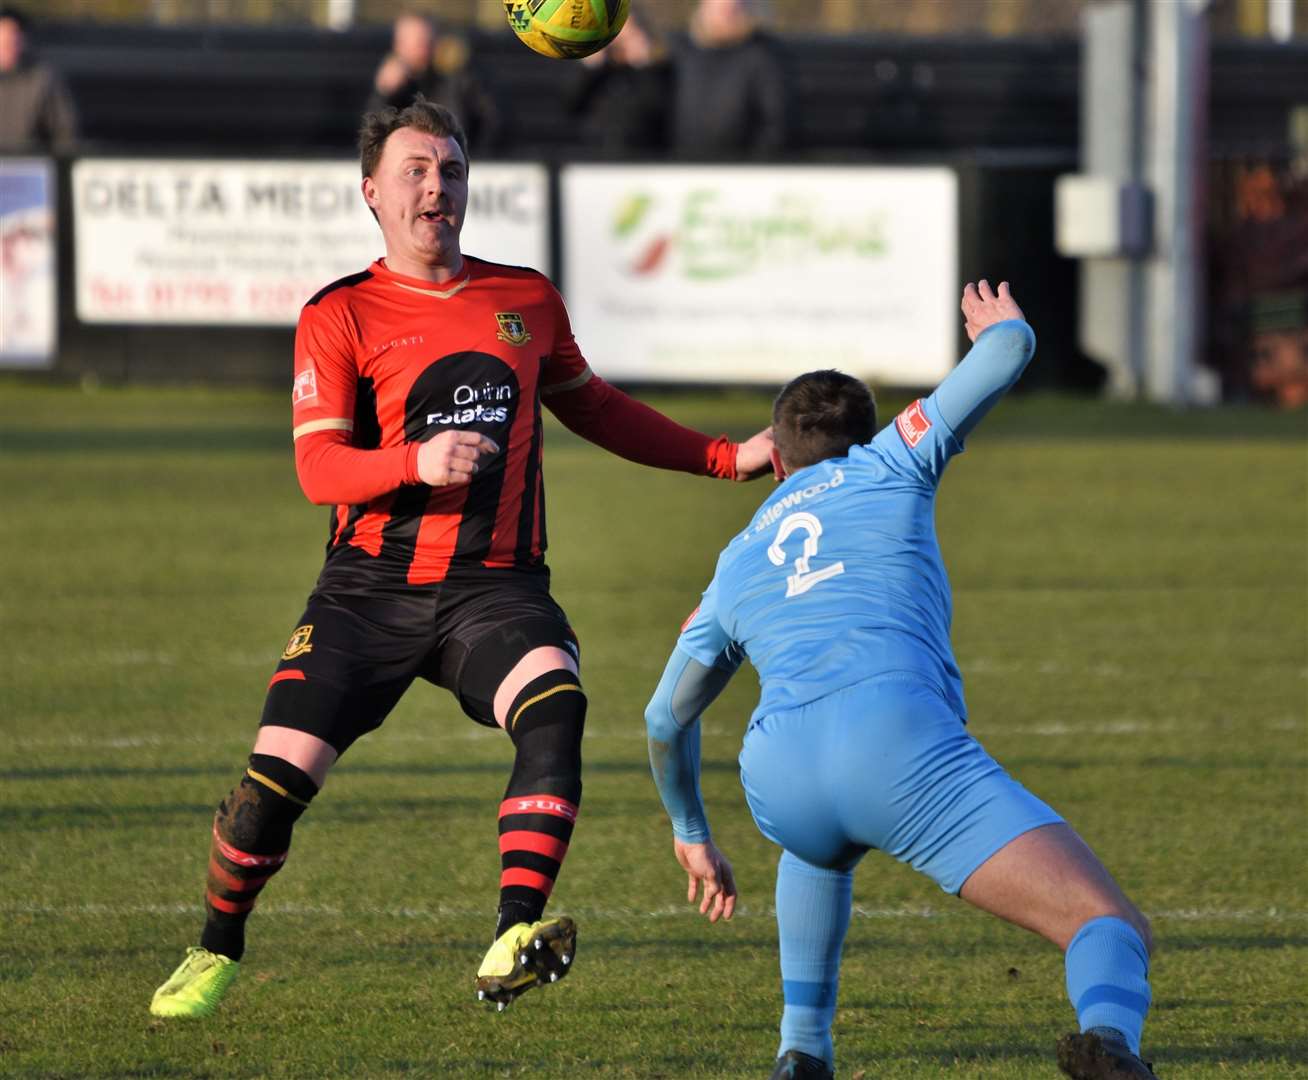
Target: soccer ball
[(566, 29)]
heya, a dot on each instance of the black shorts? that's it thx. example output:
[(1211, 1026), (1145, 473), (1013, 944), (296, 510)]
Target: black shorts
[(354, 654)]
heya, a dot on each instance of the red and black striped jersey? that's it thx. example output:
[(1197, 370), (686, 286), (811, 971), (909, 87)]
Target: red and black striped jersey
[(384, 362)]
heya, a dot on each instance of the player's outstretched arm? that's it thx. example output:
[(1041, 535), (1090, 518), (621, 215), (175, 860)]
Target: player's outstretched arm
[(606, 416), (1003, 345), (672, 726)]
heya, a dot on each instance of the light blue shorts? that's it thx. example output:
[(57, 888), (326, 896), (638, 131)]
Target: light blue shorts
[(883, 764)]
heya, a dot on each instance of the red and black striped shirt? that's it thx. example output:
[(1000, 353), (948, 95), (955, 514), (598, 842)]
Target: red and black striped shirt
[(384, 362)]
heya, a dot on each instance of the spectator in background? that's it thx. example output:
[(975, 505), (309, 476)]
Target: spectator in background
[(38, 113), (1258, 274), (437, 66), (731, 98), (621, 93)]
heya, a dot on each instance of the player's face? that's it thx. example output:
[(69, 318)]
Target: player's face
[(419, 192)]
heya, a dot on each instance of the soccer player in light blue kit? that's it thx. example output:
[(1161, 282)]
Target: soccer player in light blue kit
[(836, 592)]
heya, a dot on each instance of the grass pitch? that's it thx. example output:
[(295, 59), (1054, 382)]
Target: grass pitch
[(1131, 618)]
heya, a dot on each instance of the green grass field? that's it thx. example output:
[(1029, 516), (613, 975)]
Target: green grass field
[(1131, 595)]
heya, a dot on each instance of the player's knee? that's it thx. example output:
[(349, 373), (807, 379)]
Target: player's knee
[(1121, 911), (554, 699), (261, 810), (1143, 927), (1121, 907), (546, 721)]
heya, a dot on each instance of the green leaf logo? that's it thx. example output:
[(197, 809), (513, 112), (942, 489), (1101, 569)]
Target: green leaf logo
[(630, 213)]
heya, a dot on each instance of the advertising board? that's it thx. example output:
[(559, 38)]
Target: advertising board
[(248, 242), (753, 274), (29, 312)]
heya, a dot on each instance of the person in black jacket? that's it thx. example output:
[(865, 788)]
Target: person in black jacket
[(621, 94), (38, 114), (437, 66), (731, 94)]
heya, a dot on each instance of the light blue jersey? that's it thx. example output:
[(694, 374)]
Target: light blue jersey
[(838, 578), (836, 581)]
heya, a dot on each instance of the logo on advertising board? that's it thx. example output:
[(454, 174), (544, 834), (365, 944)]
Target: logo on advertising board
[(713, 239), (913, 424)]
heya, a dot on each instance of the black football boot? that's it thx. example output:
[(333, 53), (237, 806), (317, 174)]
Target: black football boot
[(1091, 1056), (796, 1065)]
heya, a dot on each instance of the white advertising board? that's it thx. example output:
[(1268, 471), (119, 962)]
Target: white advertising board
[(248, 242), (28, 282), (754, 274)]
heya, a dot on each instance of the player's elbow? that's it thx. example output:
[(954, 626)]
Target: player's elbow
[(310, 470), (312, 486), (660, 725), (1014, 340)]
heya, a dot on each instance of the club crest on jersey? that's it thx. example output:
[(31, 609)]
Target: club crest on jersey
[(299, 643), (305, 385), (512, 328), (913, 424)]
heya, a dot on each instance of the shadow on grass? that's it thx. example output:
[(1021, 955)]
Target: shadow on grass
[(134, 1072), (1212, 762), (232, 768), (999, 1045), (144, 440), (354, 811), (1243, 1050)]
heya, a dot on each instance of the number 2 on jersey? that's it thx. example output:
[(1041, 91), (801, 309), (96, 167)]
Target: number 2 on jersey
[(803, 578)]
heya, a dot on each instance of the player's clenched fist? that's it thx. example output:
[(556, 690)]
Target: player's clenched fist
[(451, 457), (983, 307)]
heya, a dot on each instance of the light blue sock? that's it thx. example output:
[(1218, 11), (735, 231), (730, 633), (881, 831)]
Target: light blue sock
[(1108, 978), (813, 907)]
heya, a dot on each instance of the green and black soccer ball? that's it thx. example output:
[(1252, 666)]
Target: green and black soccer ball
[(566, 29)]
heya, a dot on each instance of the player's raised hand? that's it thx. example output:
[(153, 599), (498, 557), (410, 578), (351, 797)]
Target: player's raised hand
[(754, 456), (983, 307), (451, 457), (705, 863)]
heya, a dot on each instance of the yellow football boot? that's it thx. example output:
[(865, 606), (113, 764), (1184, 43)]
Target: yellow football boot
[(196, 987), (524, 956)]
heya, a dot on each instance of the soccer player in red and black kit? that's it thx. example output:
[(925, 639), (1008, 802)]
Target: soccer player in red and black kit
[(417, 416)]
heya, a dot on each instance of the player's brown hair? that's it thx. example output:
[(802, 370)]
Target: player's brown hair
[(422, 115), (821, 415)]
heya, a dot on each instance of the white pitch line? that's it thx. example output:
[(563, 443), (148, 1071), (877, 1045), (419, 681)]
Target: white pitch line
[(636, 732), (668, 911)]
